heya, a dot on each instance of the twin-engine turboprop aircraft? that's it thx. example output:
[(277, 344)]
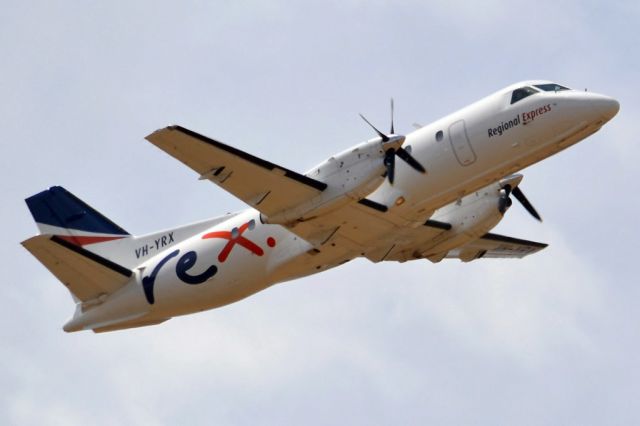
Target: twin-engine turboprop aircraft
[(432, 194)]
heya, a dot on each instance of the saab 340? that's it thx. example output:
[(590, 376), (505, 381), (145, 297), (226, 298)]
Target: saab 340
[(434, 193)]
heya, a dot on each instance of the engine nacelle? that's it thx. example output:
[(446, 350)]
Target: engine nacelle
[(350, 175), (471, 217)]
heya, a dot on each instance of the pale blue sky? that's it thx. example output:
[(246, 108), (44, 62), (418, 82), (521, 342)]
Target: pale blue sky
[(547, 340)]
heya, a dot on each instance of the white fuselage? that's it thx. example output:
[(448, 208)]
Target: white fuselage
[(462, 152)]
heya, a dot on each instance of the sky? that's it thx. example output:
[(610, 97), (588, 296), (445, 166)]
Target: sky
[(550, 339)]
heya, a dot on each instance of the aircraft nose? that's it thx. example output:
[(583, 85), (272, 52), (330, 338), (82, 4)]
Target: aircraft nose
[(606, 107)]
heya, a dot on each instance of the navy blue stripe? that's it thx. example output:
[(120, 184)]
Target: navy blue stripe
[(511, 240), (320, 186), (92, 256), (58, 207), (373, 204), (437, 224)]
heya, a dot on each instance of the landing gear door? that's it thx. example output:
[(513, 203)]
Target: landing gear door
[(460, 144)]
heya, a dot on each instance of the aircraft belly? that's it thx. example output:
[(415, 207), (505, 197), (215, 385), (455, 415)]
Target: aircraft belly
[(125, 304)]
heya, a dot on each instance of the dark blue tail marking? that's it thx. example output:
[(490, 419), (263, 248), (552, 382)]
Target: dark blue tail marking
[(58, 207)]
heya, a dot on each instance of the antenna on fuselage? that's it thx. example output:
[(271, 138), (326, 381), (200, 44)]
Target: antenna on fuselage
[(392, 131)]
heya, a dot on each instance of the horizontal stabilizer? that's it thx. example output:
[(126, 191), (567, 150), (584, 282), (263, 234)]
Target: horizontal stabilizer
[(87, 275)]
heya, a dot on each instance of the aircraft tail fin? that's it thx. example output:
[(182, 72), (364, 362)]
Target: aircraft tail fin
[(59, 212)]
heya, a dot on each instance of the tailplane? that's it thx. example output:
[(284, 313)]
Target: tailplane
[(88, 277)]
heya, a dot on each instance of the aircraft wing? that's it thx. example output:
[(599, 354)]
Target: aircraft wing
[(366, 227), (265, 186), (495, 246), (423, 239), (271, 189)]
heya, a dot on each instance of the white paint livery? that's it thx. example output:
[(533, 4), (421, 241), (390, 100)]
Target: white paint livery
[(346, 207)]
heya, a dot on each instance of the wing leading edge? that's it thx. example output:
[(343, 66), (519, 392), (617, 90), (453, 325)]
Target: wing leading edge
[(263, 185)]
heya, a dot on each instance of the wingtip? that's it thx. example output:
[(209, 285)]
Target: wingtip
[(158, 132)]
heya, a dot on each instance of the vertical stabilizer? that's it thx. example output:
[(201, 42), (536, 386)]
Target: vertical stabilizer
[(59, 212)]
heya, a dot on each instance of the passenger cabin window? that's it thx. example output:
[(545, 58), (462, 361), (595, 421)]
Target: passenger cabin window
[(522, 93), (551, 87)]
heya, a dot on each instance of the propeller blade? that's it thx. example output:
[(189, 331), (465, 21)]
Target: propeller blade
[(390, 164), (384, 137), (389, 159), (408, 158), (517, 192), (392, 129)]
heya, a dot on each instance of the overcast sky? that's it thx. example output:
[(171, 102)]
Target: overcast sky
[(552, 339)]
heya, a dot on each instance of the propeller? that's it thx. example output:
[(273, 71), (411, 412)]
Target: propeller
[(390, 153), (505, 201), (384, 137)]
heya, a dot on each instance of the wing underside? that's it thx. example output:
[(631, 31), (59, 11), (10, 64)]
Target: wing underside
[(367, 229), (86, 274), (494, 246), (265, 186)]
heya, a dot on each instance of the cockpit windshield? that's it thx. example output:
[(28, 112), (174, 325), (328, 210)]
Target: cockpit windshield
[(522, 93), (551, 87)]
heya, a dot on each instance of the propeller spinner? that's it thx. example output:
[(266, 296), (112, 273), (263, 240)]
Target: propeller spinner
[(505, 201), (389, 159)]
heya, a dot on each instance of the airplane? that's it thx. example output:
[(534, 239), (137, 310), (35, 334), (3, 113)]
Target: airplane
[(435, 193)]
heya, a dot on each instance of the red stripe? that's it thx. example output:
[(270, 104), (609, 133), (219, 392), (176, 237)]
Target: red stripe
[(83, 241)]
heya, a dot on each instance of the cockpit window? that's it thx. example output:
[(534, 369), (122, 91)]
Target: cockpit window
[(551, 87), (522, 93)]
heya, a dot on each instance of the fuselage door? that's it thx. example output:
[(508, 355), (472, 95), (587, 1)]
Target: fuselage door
[(460, 143)]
